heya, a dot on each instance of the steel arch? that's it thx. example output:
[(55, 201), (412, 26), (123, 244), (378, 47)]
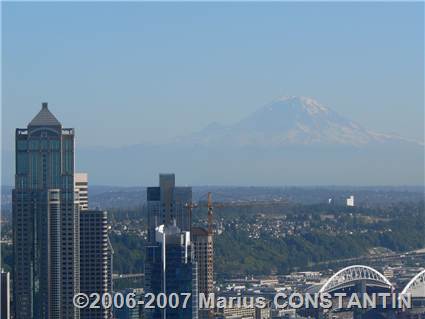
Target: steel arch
[(415, 285), (352, 274)]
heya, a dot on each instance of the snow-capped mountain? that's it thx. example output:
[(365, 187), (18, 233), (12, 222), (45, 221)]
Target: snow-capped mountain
[(289, 121), (291, 141)]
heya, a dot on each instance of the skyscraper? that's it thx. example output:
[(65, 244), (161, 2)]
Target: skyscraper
[(82, 188), (130, 313), (45, 221), (170, 265), (5, 295), (170, 268), (95, 260), (167, 203), (202, 241)]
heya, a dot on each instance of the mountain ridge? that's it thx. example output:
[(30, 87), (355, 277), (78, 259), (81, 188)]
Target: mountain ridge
[(290, 120), (291, 140)]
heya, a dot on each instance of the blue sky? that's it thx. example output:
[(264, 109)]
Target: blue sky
[(126, 73)]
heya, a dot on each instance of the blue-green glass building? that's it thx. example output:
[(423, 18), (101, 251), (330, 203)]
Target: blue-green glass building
[(130, 313), (45, 221), (170, 268)]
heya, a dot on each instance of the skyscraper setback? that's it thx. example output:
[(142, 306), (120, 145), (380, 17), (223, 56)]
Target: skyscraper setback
[(82, 188), (45, 221)]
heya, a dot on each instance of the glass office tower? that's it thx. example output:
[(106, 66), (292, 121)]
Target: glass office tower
[(170, 268), (45, 221)]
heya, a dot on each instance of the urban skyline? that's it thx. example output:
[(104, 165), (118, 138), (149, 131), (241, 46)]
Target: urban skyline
[(179, 257), (212, 160), (60, 244)]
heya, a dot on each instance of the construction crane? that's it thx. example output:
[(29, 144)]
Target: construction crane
[(210, 207), (190, 206), (210, 214)]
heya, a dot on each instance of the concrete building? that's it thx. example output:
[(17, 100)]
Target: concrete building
[(5, 295), (244, 312), (45, 221), (170, 268), (82, 188), (204, 256), (95, 260), (167, 203), (350, 201)]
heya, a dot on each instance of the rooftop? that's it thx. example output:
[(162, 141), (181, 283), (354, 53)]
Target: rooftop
[(44, 118)]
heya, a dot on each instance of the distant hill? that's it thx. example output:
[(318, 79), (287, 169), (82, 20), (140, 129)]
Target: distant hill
[(108, 197)]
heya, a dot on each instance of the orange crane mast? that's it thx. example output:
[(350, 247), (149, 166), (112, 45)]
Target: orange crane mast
[(192, 205), (210, 214)]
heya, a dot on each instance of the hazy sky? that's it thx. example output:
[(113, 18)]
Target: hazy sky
[(124, 73)]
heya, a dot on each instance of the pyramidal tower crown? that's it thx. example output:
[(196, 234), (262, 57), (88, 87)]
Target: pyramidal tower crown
[(44, 117)]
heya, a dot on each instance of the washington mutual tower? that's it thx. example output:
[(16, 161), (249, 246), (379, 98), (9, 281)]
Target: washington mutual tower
[(45, 221)]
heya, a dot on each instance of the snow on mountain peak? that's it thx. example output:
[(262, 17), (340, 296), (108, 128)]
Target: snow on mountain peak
[(290, 120), (308, 104)]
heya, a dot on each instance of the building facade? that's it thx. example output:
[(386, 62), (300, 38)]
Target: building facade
[(130, 313), (167, 203), (5, 295), (82, 188), (170, 267), (350, 201), (45, 221), (202, 242), (95, 260), (251, 312)]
